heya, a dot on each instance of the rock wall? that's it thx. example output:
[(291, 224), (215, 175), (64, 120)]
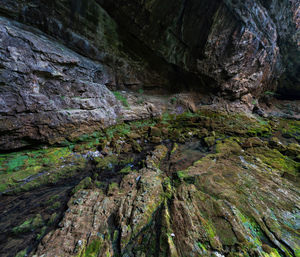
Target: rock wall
[(85, 27), (235, 43), (232, 47), (48, 91), (57, 58)]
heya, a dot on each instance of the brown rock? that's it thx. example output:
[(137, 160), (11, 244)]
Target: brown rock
[(155, 140), (155, 132), (126, 148), (134, 135), (253, 142)]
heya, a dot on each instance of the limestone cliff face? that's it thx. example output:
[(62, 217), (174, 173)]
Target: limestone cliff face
[(55, 82), (242, 46)]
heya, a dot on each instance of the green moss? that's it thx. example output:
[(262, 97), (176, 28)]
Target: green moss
[(23, 228), (37, 221), (290, 129), (228, 146), (121, 98), (42, 233), (23, 167), (173, 100), (83, 184), (112, 186), (276, 160), (211, 234), (272, 253), (56, 205), (201, 246), (175, 147), (52, 219), (181, 174), (93, 249), (116, 235), (168, 191), (118, 130), (16, 163), (52, 199), (18, 166), (127, 170), (166, 118), (106, 162), (22, 253), (209, 141), (257, 235), (28, 225)]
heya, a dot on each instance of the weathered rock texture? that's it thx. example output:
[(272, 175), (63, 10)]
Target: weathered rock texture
[(230, 203), (235, 43), (237, 49), (210, 184), (48, 91)]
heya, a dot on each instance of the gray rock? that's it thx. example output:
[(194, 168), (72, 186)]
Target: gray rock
[(48, 91)]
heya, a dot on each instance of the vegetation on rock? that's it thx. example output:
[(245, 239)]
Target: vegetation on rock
[(229, 201)]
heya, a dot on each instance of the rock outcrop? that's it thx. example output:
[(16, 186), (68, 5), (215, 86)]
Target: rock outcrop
[(205, 183), (234, 202), (54, 84), (242, 46), (48, 91), (123, 135)]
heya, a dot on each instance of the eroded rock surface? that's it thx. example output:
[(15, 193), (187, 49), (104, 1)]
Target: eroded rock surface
[(166, 174), (240, 45), (239, 50), (239, 198), (223, 204), (48, 91)]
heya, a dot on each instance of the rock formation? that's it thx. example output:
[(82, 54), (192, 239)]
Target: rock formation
[(149, 128), (235, 49)]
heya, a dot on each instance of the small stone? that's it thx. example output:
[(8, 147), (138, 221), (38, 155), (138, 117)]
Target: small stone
[(134, 135), (155, 132), (126, 148), (155, 140), (165, 131), (216, 254), (257, 110)]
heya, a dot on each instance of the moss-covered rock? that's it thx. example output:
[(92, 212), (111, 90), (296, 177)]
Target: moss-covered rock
[(239, 197), (83, 184), (29, 224)]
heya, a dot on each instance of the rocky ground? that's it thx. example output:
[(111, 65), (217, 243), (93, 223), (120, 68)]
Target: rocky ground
[(205, 183), (149, 128)]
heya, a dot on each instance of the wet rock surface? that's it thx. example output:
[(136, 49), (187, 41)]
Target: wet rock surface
[(149, 128), (221, 204), (236, 196)]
